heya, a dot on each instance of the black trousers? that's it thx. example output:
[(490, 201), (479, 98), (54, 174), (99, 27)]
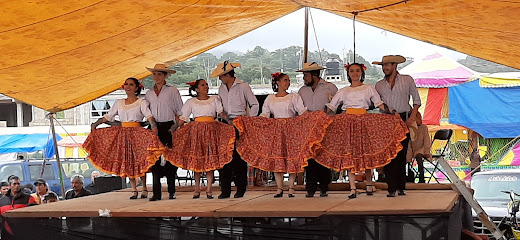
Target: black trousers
[(235, 171), (395, 171), (168, 170), (316, 173)]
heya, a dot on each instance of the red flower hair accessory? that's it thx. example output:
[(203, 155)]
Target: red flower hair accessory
[(191, 83), (275, 75), (362, 65)]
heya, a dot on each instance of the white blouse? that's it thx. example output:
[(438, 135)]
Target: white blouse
[(134, 112), (283, 107), (355, 97), (210, 107)]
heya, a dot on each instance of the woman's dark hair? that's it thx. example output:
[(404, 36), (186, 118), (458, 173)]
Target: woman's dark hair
[(50, 196), (275, 79), (362, 72), (137, 84), (193, 93)]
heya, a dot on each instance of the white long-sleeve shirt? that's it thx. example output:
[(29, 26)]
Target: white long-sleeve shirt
[(237, 98), (355, 97), (283, 107), (134, 112), (201, 108), (166, 105)]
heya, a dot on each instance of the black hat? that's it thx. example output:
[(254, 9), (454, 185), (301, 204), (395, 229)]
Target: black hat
[(40, 181)]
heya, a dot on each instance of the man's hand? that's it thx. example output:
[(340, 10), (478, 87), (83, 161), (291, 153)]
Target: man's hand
[(410, 122), (174, 127)]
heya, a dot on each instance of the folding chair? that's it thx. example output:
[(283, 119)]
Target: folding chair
[(441, 135)]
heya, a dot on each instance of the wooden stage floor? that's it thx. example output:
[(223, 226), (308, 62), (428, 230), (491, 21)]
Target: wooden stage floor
[(255, 204)]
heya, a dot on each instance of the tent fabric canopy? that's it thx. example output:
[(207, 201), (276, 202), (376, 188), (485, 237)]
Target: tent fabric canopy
[(78, 51), (492, 112), (28, 143), (433, 104), (498, 80), (437, 71)]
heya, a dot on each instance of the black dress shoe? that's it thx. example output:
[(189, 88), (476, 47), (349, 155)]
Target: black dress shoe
[(239, 195), (209, 196), (279, 195), (309, 194), (154, 198), (390, 194), (401, 192), (223, 196), (352, 195), (324, 194), (172, 196)]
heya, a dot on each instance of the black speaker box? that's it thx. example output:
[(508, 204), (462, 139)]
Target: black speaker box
[(107, 184)]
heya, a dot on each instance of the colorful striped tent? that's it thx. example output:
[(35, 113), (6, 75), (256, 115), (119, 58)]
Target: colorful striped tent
[(433, 75), (512, 157), (500, 80)]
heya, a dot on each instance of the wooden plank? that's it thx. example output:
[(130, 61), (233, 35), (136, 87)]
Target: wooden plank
[(79, 207), (268, 206), (183, 206), (415, 202)]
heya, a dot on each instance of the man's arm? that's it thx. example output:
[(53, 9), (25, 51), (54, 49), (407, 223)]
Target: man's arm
[(252, 101)]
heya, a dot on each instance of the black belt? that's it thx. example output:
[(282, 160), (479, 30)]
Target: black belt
[(165, 123)]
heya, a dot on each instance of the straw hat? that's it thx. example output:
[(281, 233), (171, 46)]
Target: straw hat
[(310, 67), (413, 131), (159, 67), (224, 68), (391, 59)]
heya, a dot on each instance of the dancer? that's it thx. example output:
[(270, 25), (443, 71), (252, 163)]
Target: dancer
[(283, 144), (395, 90), (205, 144), (129, 150)]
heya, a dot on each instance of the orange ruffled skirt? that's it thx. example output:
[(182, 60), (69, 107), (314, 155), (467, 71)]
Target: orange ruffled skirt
[(202, 146), (357, 142), (283, 144), (124, 151)]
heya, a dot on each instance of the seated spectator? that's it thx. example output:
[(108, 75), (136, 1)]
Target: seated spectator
[(15, 198), (50, 197), (28, 188), (4, 186), (77, 188), (91, 187), (420, 148), (41, 190)]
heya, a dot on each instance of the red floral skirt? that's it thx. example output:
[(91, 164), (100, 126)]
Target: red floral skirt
[(283, 144), (202, 146), (124, 151), (357, 142)]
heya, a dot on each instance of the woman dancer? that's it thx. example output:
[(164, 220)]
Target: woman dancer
[(284, 143), (205, 144), (368, 140), (129, 150)]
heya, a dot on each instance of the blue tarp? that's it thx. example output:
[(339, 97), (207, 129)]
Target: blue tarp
[(492, 112), (28, 143)]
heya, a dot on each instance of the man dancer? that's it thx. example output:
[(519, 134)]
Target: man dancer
[(315, 94), (236, 97), (165, 104), (395, 90)]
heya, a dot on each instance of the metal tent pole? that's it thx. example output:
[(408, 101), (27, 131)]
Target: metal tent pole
[(51, 117)]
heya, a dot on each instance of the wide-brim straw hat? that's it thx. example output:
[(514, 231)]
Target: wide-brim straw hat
[(307, 67), (224, 68), (391, 59), (159, 67), (413, 131)]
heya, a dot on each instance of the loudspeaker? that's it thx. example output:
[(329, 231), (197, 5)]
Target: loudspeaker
[(107, 184)]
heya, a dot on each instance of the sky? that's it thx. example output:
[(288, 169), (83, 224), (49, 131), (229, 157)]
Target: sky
[(335, 35)]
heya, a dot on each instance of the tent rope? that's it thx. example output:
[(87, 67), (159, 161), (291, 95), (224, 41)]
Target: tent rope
[(316, 37)]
